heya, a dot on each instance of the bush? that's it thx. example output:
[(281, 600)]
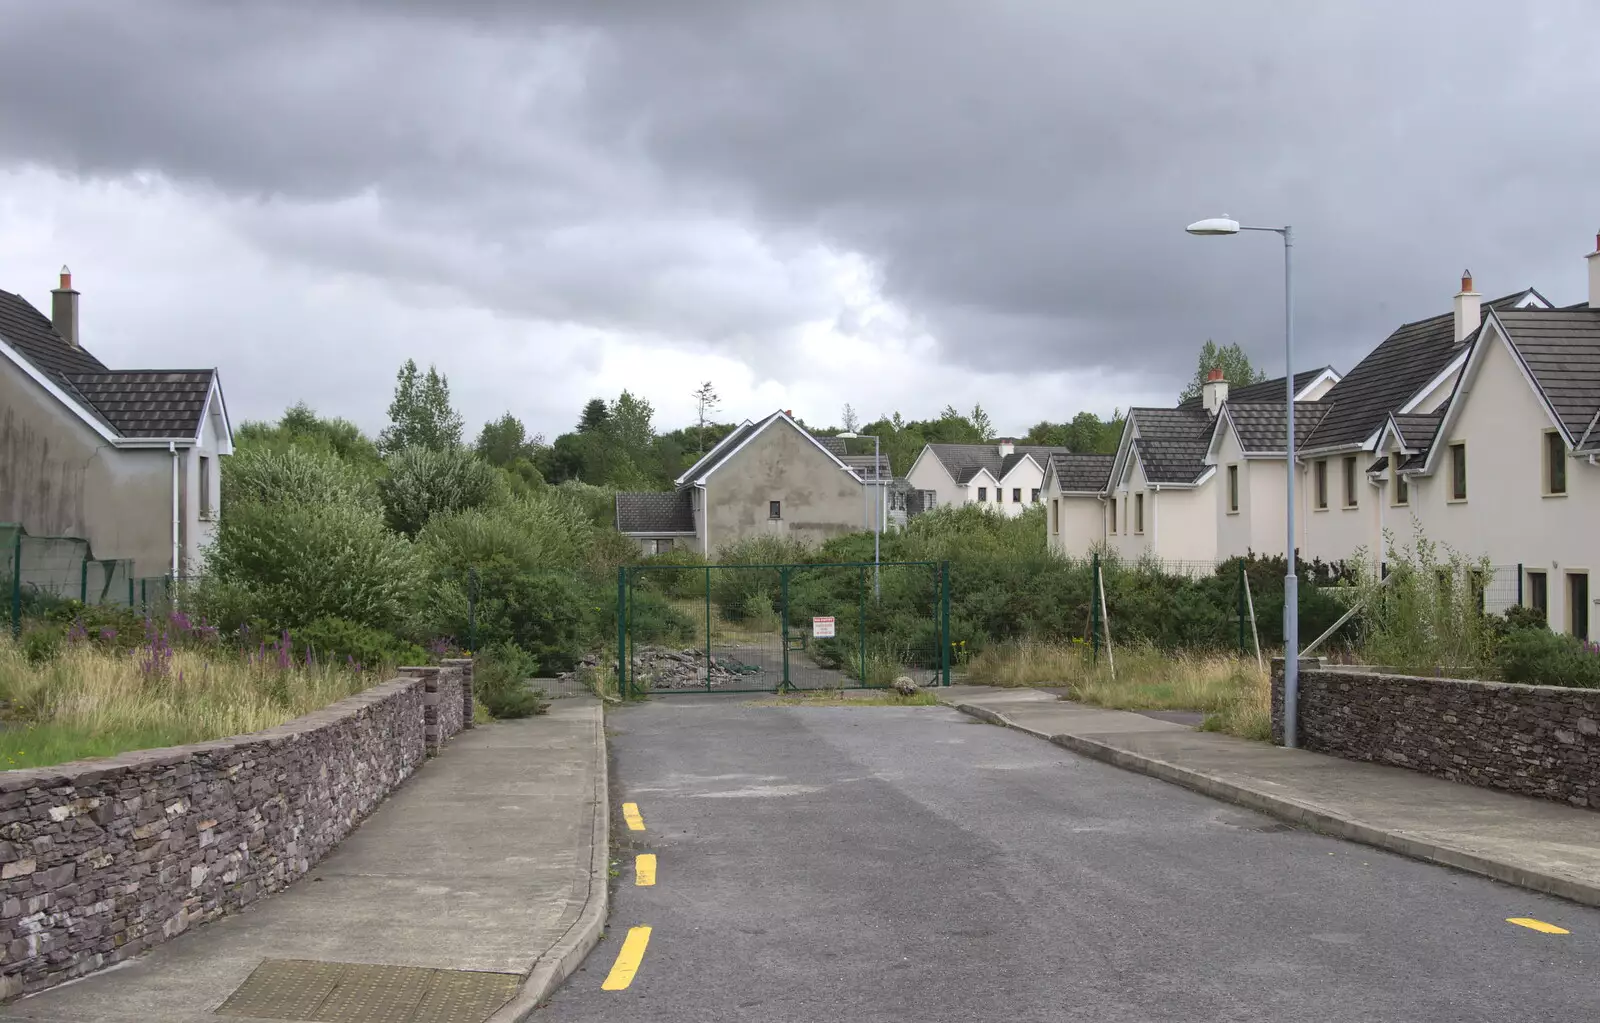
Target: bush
[(292, 475), (500, 674), (656, 621), (1541, 657), (43, 643), (340, 641), (422, 483), (290, 565)]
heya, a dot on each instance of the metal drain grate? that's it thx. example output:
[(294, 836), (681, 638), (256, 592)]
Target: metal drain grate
[(299, 989)]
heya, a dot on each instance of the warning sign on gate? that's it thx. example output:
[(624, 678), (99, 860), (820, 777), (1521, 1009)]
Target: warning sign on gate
[(822, 628)]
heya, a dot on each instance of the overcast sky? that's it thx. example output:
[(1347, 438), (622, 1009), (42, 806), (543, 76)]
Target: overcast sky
[(894, 203)]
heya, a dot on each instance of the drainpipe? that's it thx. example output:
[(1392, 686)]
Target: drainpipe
[(705, 521), (1155, 521), (172, 449)]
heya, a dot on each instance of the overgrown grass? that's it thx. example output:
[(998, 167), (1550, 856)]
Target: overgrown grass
[(1233, 693), (88, 701)]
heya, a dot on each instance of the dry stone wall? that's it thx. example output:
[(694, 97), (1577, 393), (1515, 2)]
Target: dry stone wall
[(101, 859), (1532, 740)]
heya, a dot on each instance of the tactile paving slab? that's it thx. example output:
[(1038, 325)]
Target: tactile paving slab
[(318, 992)]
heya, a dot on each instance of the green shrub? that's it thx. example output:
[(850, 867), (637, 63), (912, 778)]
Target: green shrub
[(293, 564), (292, 475), (337, 640), (500, 674), (1542, 657), (421, 483), (43, 643), (653, 620)]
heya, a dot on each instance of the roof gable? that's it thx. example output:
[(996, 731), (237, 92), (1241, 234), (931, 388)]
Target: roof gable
[(1080, 473), (962, 461), (1171, 443), (748, 431), (1403, 364), (1271, 390), (662, 512)]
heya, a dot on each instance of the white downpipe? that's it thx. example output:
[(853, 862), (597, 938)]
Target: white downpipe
[(705, 520), (1155, 521), (172, 449)]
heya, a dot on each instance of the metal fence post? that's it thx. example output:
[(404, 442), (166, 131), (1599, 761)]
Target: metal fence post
[(783, 600), (862, 628), (944, 614), (1519, 584), (1094, 608), (16, 586), (472, 610), (622, 628), (130, 584), (83, 581), (708, 628), (1242, 647)]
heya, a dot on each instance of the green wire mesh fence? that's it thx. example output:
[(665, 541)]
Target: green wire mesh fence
[(37, 572)]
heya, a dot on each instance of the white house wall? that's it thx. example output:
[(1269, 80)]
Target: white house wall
[(1082, 522), (928, 473), (1506, 516), (1338, 532), (1184, 525), (1026, 476)]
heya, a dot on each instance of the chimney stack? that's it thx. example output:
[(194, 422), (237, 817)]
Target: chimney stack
[(1594, 275), (1214, 391), (1007, 447), (64, 309), (1469, 308)]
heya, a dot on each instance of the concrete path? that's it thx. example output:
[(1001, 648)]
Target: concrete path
[(877, 864), (1536, 844), (484, 861)]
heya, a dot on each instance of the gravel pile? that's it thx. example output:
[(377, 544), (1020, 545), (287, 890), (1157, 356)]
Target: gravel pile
[(661, 668)]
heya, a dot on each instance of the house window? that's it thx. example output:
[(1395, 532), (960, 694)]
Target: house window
[(1555, 463), (660, 546), (1113, 515), (1138, 513), (1233, 488), (205, 486), (1016, 495), (1402, 486), (983, 494), (1350, 497), (1578, 604), (1539, 594), (1055, 515), (1035, 495), (1458, 472), (774, 509), (1321, 475)]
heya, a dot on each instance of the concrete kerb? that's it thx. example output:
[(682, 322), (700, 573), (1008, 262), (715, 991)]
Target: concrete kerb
[(589, 921), (1307, 815)]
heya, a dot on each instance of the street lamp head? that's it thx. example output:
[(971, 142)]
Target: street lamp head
[(1215, 225), (847, 436)]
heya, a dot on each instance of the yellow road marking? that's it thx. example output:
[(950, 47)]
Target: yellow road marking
[(1536, 925), (628, 959), (630, 813), (644, 870)]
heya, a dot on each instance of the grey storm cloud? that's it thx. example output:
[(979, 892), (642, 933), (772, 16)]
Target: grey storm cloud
[(1018, 173)]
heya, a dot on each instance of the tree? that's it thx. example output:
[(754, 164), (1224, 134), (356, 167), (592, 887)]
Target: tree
[(502, 441), (630, 423), (595, 416), (1233, 362), (850, 419), (302, 428), (420, 414), (980, 422), (1085, 434), (423, 483), (706, 401)]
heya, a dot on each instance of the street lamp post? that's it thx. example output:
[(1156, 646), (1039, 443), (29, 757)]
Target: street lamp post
[(877, 476), (1291, 584)]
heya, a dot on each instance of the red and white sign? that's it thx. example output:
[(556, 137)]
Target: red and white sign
[(822, 628)]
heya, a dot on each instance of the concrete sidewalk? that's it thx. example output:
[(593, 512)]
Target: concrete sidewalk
[(1543, 846), (492, 858)]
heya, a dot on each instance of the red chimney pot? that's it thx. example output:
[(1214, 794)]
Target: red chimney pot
[(1466, 280), (1215, 374)]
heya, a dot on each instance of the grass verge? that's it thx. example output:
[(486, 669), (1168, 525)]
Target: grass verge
[(1233, 693), (86, 701)]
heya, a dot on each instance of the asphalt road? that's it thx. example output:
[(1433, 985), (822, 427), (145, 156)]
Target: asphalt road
[(862, 864)]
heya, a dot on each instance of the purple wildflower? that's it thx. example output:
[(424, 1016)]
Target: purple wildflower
[(108, 635), (78, 633)]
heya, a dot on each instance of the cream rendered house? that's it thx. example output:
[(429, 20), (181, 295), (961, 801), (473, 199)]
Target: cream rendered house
[(1003, 476)]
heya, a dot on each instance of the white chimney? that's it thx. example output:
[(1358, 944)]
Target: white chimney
[(1006, 448), (64, 309), (1594, 275), (1469, 307), (1214, 391)]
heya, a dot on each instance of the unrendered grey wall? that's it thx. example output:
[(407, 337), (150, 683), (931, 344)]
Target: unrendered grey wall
[(58, 477), (819, 499)]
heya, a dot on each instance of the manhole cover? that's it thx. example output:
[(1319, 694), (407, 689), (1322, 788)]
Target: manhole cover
[(299, 989)]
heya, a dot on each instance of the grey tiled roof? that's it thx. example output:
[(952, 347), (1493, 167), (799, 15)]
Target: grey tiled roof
[(1561, 348), (1172, 442), (148, 402), (1380, 465), (964, 461), (1392, 373), (1082, 473), (863, 464), (1260, 425), (834, 445), (1417, 429), (670, 512), (134, 403), (1267, 390)]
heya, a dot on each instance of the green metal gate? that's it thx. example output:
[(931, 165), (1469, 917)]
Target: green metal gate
[(780, 628)]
